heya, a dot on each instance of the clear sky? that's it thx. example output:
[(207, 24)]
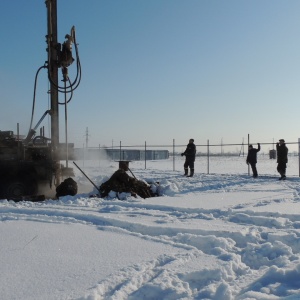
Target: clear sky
[(160, 70)]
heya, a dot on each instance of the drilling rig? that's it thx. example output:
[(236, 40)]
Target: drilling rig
[(31, 166)]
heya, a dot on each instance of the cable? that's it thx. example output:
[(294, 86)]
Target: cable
[(63, 103), (34, 95), (66, 89)]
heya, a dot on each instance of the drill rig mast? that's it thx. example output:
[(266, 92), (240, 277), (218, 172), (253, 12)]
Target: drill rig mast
[(53, 74), (59, 56)]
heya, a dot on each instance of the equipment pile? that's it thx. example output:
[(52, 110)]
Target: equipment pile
[(121, 182)]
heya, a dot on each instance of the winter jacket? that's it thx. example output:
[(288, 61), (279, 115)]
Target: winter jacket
[(282, 153), (252, 155), (190, 152)]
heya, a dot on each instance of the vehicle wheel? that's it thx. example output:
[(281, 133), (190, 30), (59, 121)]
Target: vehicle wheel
[(15, 189)]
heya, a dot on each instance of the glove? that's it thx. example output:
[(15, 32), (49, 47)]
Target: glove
[(182, 154)]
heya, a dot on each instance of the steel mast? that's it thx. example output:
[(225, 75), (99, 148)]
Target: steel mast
[(53, 49)]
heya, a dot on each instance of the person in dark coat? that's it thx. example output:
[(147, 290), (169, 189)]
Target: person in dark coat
[(252, 158), (190, 155), (282, 158)]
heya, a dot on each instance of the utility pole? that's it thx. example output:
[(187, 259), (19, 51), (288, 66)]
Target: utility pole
[(221, 146), (87, 137)]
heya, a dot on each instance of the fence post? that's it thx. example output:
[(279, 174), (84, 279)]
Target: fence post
[(248, 150), (173, 154), (207, 156), (99, 154), (299, 154), (83, 154), (145, 155)]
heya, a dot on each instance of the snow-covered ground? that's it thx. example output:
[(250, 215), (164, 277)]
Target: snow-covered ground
[(222, 235)]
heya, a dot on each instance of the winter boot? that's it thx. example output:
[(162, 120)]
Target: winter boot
[(186, 172), (192, 173), (283, 177)]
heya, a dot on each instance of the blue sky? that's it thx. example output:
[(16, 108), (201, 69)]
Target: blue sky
[(160, 70)]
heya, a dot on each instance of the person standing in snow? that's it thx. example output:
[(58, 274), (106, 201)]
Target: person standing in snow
[(282, 158), (190, 155), (252, 158)]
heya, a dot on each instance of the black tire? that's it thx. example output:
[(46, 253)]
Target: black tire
[(15, 189)]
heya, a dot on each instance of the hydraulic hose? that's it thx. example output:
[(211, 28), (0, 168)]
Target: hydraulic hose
[(34, 95)]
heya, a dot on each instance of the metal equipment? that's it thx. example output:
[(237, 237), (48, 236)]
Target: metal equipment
[(31, 166)]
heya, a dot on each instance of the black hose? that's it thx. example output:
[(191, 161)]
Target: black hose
[(73, 86), (34, 95)]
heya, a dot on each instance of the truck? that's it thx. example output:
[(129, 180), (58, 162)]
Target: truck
[(29, 169), (30, 166)]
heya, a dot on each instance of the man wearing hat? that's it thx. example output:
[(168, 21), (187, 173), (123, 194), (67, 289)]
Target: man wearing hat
[(282, 158), (252, 158), (190, 155)]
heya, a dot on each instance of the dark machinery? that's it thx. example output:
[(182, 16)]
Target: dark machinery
[(31, 166)]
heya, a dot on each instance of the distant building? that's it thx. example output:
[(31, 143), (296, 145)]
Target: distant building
[(117, 154)]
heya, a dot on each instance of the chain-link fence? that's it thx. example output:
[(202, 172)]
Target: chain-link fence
[(208, 155)]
